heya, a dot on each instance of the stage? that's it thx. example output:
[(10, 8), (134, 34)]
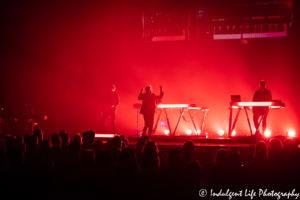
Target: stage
[(205, 148), (198, 140), (245, 141)]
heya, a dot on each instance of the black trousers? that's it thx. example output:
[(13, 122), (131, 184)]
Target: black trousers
[(112, 114), (256, 116), (149, 120)]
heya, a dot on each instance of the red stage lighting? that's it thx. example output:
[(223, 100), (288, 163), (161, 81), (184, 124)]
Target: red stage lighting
[(221, 132), (189, 132), (254, 103), (167, 132), (198, 131), (233, 133), (97, 135), (291, 133), (173, 105), (267, 133)]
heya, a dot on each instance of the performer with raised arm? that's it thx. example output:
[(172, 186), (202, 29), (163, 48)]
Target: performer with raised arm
[(112, 101), (261, 95), (148, 107)]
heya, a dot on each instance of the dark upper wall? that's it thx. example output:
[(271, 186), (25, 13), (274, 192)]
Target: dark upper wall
[(61, 56)]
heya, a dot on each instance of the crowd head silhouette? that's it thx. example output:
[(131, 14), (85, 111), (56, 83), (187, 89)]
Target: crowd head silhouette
[(83, 167)]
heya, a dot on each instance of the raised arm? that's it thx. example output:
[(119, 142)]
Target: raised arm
[(161, 93), (140, 97)]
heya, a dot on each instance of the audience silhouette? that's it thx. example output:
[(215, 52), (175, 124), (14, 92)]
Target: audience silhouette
[(31, 166)]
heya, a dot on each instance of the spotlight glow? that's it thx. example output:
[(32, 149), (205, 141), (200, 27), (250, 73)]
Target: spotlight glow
[(254, 103), (98, 135), (198, 131), (173, 105), (189, 132), (267, 133), (291, 133), (233, 133), (167, 132), (221, 132)]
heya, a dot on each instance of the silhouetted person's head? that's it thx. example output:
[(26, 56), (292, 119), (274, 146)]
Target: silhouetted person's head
[(180, 149), (116, 142), (295, 143), (287, 143), (74, 149), (188, 148), (191, 175), (113, 87), (127, 162), (262, 85), (140, 143), (88, 137), (55, 140), (148, 89), (232, 162), (150, 145), (275, 149), (32, 142), (150, 161), (275, 145), (87, 158), (64, 139), (291, 144), (174, 157), (260, 150), (98, 146), (146, 137), (233, 150), (125, 143), (77, 138), (61, 132), (220, 156), (108, 145), (15, 156), (122, 137), (39, 134), (104, 159)]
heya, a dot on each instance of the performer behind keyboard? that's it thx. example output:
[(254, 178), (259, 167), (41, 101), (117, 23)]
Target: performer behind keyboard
[(261, 95), (148, 107)]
